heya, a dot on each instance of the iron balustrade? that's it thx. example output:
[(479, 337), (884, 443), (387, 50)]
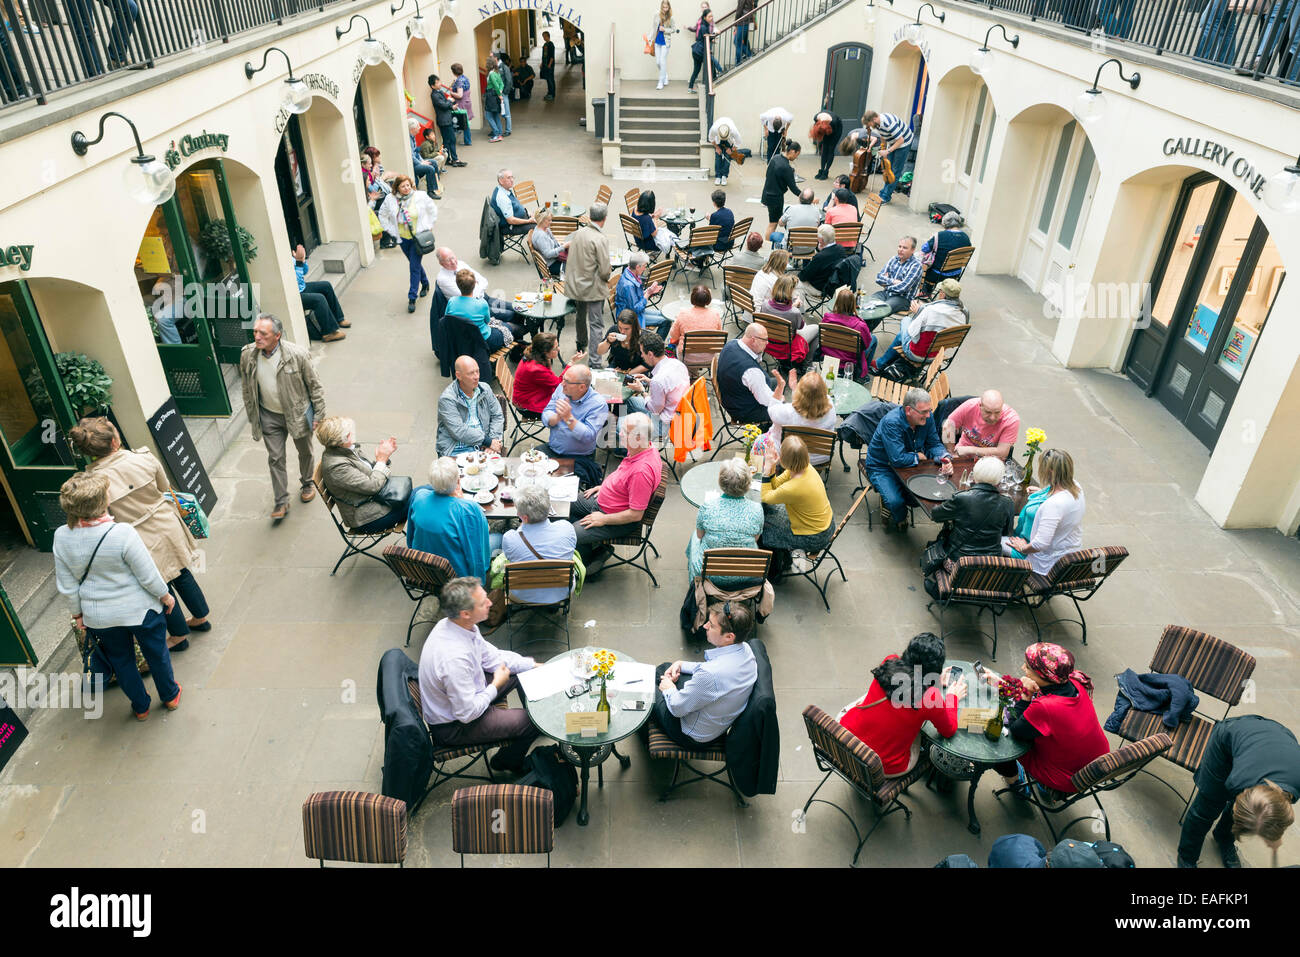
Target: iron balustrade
[(49, 45)]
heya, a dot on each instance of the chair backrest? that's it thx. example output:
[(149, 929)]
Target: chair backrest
[(990, 575), (1086, 567), (656, 503), (354, 826), (940, 390), (658, 272), (936, 364), (950, 339), (844, 750), (630, 198), (505, 378), (740, 231), (318, 479), (1112, 769), (1210, 664), (802, 241), (848, 232), (538, 574), (631, 230), (527, 192), (742, 274), (564, 226), (603, 193), (613, 290), (737, 562), (843, 521), (818, 441), (842, 338), (780, 331), (870, 208), (703, 237), (955, 258), (740, 295), (700, 346), (539, 261), (503, 819)]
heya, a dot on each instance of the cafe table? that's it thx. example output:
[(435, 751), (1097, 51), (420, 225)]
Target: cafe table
[(961, 469), (848, 396), (679, 219), (700, 484), (540, 310), (568, 209), (499, 509), (548, 716), (968, 754)]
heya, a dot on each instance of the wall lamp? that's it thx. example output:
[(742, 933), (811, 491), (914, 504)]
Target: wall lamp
[(146, 180), (1282, 191), (372, 51), (912, 32), (869, 11), (296, 96), (979, 60), (1091, 104), (416, 27)]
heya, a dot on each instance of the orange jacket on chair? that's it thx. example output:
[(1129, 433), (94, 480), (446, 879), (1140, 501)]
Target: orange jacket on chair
[(692, 426)]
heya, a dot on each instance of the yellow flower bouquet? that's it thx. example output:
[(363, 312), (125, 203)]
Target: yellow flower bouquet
[(603, 663)]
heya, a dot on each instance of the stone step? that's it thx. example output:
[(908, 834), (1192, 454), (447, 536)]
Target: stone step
[(691, 101), (637, 159), (660, 149), (338, 263), (662, 114), (651, 132)]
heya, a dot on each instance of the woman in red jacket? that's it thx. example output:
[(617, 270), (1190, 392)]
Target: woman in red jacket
[(535, 381), (1058, 721), (889, 721)]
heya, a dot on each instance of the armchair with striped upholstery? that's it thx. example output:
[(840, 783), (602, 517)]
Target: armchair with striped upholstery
[(421, 574), (1077, 576), (986, 581), (503, 819), (354, 826)]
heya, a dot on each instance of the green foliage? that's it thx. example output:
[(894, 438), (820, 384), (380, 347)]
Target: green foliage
[(215, 240), (89, 387)]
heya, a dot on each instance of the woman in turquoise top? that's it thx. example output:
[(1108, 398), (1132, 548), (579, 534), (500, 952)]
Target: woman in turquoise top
[(731, 521), (467, 306)]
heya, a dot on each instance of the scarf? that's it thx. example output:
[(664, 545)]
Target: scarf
[(1055, 662)]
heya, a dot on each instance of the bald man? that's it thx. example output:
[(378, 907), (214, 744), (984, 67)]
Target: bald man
[(469, 415), (983, 426)]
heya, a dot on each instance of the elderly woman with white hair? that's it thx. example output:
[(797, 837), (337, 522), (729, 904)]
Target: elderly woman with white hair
[(544, 241), (978, 518), (442, 522), (369, 499), (539, 539), (727, 521)]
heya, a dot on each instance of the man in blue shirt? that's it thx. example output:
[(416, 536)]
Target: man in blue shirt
[(576, 414), (904, 438), (514, 214), (538, 539), (698, 701), (900, 277), (631, 294), (321, 299)]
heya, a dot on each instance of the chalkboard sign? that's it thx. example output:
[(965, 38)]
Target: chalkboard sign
[(182, 458), (12, 733)]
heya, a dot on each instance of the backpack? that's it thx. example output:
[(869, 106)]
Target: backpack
[(939, 210), (507, 78), (548, 770)]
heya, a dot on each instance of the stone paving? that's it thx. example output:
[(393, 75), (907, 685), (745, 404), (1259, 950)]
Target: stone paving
[(279, 697)]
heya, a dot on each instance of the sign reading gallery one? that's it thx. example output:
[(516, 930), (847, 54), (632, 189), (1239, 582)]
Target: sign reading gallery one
[(1214, 152), (541, 6)]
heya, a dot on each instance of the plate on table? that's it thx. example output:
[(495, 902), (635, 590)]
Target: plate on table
[(526, 298), (484, 497), (546, 465), (929, 487), (483, 482), (465, 458)]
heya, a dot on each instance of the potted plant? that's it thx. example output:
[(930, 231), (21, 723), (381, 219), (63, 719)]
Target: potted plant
[(89, 387), (215, 240)]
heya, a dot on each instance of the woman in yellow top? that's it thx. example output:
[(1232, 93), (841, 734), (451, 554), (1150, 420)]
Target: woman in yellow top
[(797, 515)]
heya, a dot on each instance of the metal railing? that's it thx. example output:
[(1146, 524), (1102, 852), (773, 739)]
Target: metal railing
[(48, 45), (611, 105), (1257, 38), (769, 23)]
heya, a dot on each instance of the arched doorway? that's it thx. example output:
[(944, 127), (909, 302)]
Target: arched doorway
[(957, 142), (1062, 198), (318, 204), (848, 75), (378, 109), (528, 38), (907, 90)]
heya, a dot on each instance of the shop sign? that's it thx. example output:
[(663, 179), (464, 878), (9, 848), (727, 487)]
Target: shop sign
[(319, 81), (20, 256), (541, 6), (923, 45), (182, 457), (1217, 153), (188, 145), (360, 68)]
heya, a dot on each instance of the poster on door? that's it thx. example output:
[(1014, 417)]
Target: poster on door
[(1201, 327), (1235, 353)]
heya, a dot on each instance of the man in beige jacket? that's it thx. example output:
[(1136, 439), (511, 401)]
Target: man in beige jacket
[(586, 278), (283, 398)]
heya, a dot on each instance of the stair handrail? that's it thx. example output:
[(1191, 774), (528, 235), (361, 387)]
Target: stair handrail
[(611, 106), (785, 17)]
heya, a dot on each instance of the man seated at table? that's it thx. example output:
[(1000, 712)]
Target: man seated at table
[(449, 265), (462, 677), (899, 278), (803, 214), (905, 438), (982, 426), (443, 522), (697, 701), (538, 539), (575, 415), (631, 294), (614, 508), (750, 257), (469, 415), (515, 219), (819, 272), (913, 343), (744, 388), (525, 76), (659, 394)]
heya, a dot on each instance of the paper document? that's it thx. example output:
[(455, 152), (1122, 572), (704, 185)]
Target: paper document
[(546, 680), (564, 488), (630, 676)]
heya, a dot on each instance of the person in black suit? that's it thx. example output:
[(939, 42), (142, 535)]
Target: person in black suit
[(548, 64), (780, 177)]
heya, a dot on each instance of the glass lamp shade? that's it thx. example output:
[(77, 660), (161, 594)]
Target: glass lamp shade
[(149, 182), (296, 96), (869, 14), (1282, 191), (417, 27), (1090, 107), (979, 61), (372, 51), (450, 7), (912, 33)]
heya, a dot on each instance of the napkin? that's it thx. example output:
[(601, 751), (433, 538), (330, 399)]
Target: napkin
[(564, 488)]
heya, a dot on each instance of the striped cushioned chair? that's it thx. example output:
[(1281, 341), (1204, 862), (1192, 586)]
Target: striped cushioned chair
[(1077, 576), (1212, 667), (1106, 773), (354, 826), (987, 581), (839, 751), (664, 748), (640, 539), (442, 754), (503, 819), (421, 574)]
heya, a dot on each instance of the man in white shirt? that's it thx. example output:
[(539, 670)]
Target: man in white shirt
[(724, 135), (463, 677), (448, 267), (806, 213), (775, 122), (669, 380), (698, 701), (744, 389)]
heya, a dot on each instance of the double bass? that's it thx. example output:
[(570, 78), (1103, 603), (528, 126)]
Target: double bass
[(862, 168)]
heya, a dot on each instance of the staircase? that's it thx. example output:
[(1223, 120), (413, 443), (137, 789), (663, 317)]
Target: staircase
[(662, 129)]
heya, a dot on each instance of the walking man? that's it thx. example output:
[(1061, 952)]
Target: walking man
[(586, 278), (283, 398), (548, 64)]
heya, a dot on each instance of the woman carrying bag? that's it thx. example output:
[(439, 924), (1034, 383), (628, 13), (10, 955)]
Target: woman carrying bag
[(409, 214), (136, 487), (660, 38), (492, 99)]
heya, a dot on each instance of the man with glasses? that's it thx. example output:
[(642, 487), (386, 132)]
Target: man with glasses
[(744, 388), (904, 438), (575, 415), (697, 701)]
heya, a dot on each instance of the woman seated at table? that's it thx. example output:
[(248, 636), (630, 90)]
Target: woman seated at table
[(797, 514), (443, 522), (544, 241), (809, 406), (729, 521), (888, 718), (1056, 719), (786, 305), (475, 309), (1057, 524), (840, 209), (760, 289), (354, 480), (535, 380), (699, 317), (621, 346), (844, 312), (978, 517), (655, 237)]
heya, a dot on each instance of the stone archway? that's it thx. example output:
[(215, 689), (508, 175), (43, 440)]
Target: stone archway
[(955, 137)]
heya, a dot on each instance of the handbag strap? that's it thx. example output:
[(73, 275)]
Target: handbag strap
[(81, 581), (529, 545)]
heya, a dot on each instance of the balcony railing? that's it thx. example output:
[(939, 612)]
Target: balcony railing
[(48, 45), (1256, 38)]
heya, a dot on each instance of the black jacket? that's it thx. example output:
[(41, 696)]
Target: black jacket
[(1243, 752), (780, 177), (819, 270), (490, 243), (443, 109), (408, 752), (980, 516), (466, 339), (754, 743), (438, 332)]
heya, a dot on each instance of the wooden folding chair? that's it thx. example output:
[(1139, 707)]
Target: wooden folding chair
[(698, 349), (630, 199), (527, 193), (640, 538), (867, 217), (733, 428), (527, 576), (846, 232), (562, 226), (842, 339), (659, 272), (819, 558), (780, 331), (739, 233), (957, 258), (697, 252), (543, 270), (819, 442), (603, 193), (354, 543), (801, 242), (632, 234)]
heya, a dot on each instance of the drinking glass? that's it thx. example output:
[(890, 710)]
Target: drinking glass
[(679, 199)]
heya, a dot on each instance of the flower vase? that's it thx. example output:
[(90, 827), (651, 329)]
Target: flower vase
[(603, 703), (1029, 470), (993, 730)]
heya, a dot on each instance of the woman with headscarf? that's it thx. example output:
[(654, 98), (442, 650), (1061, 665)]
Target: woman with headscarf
[(1055, 717)]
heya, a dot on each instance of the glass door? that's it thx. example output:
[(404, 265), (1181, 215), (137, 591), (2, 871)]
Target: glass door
[(35, 415), (295, 189), (844, 93), (1034, 256)]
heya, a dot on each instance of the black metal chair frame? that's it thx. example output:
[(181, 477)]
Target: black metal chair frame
[(517, 241), (701, 775), (355, 543), (811, 574), (639, 559), (441, 776), (527, 425), (864, 485), (528, 608), (1032, 602), (824, 763), (416, 592), (996, 609)]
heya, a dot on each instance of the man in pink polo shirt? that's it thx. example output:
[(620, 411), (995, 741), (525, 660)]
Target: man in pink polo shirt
[(983, 426), (614, 508)]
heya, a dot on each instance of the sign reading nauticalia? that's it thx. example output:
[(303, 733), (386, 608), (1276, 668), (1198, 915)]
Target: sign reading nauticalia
[(542, 6), (1241, 167)]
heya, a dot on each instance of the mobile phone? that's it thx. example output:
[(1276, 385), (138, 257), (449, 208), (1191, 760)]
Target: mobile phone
[(979, 670), (629, 379), (633, 705), (954, 674)]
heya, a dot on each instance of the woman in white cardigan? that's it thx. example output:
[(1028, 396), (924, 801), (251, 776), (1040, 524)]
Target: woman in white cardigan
[(1057, 528), (405, 212), (661, 33)]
